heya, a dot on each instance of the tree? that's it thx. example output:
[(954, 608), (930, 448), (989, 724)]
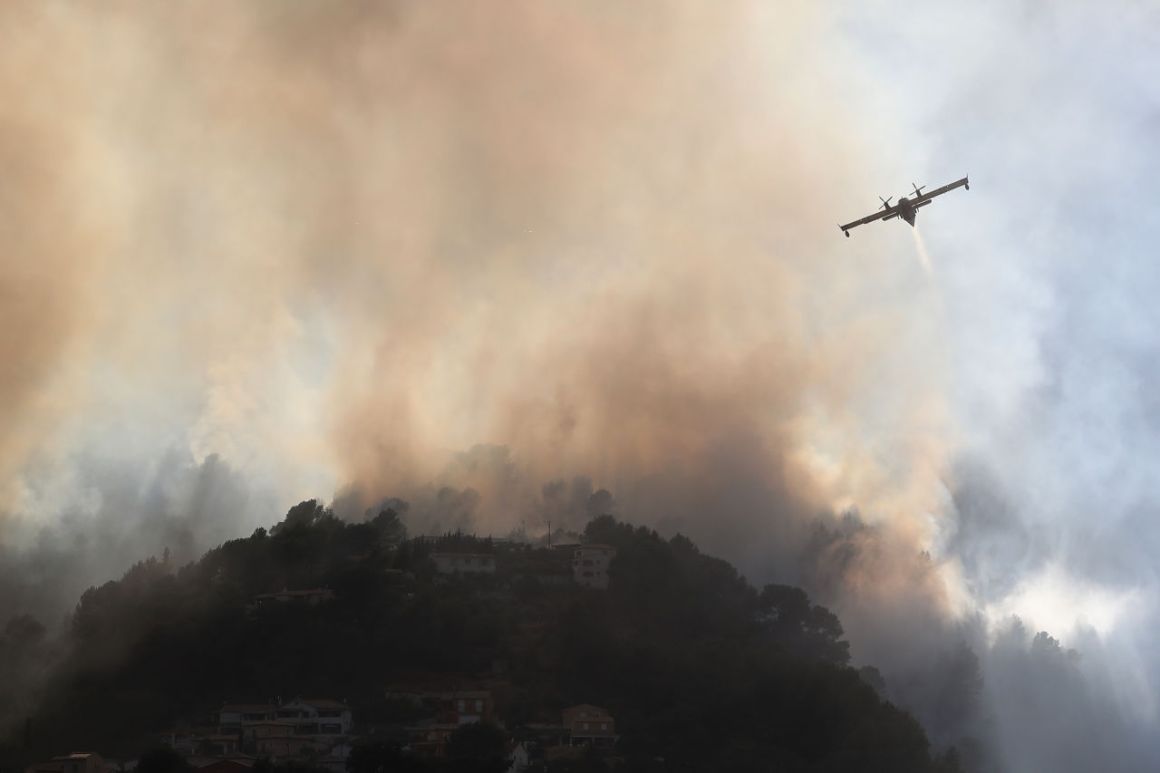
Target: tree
[(302, 516), (805, 629), (479, 746), (389, 527), (381, 757), (24, 631), (162, 760)]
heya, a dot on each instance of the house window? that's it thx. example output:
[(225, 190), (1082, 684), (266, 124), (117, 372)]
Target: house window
[(463, 705), (479, 705)]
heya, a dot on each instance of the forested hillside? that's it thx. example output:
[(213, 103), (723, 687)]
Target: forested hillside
[(701, 670)]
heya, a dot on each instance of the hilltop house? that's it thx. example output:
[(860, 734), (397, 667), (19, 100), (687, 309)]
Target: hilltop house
[(234, 764), (446, 710), (589, 725), (289, 729), (590, 565), (77, 762), (464, 563), (519, 759), (310, 596)]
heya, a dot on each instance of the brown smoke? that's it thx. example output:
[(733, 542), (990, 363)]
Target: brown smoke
[(362, 239)]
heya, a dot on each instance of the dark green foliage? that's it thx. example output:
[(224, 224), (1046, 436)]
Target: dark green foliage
[(478, 747), (382, 757), (291, 766), (699, 669), (25, 657), (162, 760), (807, 630)]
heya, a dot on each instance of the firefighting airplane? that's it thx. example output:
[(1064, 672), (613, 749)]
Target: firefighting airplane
[(906, 208)]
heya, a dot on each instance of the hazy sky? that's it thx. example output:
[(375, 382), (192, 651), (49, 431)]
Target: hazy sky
[(265, 252)]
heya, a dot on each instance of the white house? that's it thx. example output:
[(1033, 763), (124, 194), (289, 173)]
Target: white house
[(464, 563), (590, 565), (519, 759), (317, 716), (232, 715), (591, 725)]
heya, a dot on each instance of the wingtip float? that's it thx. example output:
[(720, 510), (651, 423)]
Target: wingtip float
[(906, 208)]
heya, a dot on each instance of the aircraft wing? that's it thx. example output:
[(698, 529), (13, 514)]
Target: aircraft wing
[(926, 197), (883, 214)]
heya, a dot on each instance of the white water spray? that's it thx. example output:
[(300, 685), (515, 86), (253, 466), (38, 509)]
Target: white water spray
[(923, 255)]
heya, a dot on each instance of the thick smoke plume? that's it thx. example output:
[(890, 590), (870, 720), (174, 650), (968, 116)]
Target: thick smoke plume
[(512, 263), (339, 247)]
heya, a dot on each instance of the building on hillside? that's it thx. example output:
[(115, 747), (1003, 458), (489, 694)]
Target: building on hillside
[(589, 725), (446, 705), (451, 705), (218, 744), (304, 727), (519, 758), (183, 739), (287, 747), (590, 565), (203, 742), (429, 738), (317, 716), (464, 563), (232, 716), (229, 764), (547, 734), (468, 706), (255, 733), (335, 759), (309, 596), (77, 762)]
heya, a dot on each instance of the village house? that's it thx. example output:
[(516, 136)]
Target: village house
[(218, 744), (306, 716), (452, 707), (229, 764), (77, 762), (317, 716), (590, 565), (447, 709), (429, 738), (268, 737), (464, 563), (468, 706), (203, 742), (318, 727), (590, 726), (232, 716), (518, 758), (309, 596), (335, 759), (287, 746)]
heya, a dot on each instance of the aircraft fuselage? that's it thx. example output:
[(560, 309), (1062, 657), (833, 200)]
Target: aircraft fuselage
[(906, 211)]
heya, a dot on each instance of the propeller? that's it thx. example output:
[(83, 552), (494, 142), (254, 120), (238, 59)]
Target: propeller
[(885, 201), (917, 189)]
